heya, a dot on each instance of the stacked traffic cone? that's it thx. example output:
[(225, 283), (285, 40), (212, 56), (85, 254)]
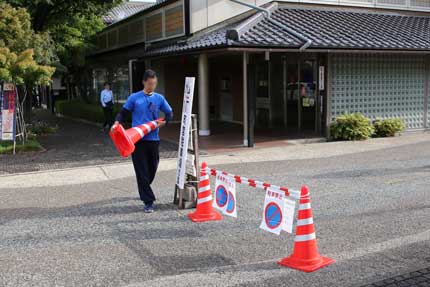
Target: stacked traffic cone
[(305, 256), (204, 210), (124, 140)]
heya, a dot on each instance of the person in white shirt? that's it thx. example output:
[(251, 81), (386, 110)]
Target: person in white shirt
[(106, 100)]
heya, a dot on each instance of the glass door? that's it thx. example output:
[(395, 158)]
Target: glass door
[(308, 102)]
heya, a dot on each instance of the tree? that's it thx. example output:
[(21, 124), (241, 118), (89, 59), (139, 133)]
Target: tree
[(46, 14), (71, 25), (17, 35), (23, 70), (24, 56)]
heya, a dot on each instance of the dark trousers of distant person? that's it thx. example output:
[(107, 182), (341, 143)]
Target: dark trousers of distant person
[(108, 114), (145, 161)]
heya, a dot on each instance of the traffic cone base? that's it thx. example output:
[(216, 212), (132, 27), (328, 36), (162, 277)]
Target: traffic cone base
[(198, 217), (306, 265), (122, 141)]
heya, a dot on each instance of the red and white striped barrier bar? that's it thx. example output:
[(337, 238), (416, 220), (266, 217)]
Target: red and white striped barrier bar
[(256, 183)]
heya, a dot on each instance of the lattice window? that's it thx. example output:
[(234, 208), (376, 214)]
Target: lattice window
[(379, 86), (392, 2), (420, 3)]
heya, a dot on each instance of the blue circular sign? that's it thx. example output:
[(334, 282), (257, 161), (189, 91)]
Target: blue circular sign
[(273, 215), (231, 203), (221, 196)]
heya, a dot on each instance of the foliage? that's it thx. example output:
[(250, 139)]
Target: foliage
[(352, 126), (41, 128), (73, 39), (80, 110), (388, 127), (17, 35), (30, 145), (23, 69), (71, 24), (46, 14)]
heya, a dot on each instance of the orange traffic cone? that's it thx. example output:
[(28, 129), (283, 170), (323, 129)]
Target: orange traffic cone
[(204, 210), (124, 140), (305, 256)]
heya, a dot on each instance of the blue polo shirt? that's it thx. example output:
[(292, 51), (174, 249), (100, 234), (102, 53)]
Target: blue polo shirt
[(145, 108)]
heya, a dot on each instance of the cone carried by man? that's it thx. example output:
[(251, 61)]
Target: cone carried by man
[(124, 140)]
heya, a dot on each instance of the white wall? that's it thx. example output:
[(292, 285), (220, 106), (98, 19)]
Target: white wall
[(205, 13)]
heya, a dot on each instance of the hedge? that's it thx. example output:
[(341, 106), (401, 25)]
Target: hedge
[(351, 127), (82, 110)]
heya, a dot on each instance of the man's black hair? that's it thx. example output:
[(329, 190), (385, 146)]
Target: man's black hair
[(105, 84), (149, 74)]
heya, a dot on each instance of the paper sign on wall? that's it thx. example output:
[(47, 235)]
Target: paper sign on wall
[(225, 195)]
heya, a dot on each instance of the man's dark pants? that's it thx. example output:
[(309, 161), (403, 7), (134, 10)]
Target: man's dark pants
[(145, 161)]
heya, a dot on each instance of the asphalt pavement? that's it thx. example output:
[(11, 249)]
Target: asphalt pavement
[(371, 212)]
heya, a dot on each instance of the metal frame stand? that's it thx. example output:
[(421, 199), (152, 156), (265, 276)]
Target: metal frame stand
[(187, 197)]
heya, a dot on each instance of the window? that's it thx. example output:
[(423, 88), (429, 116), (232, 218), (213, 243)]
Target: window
[(174, 21), (123, 35), (136, 31), (112, 38), (102, 42), (154, 27)]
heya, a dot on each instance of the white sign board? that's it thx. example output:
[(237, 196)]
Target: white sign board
[(184, 135), (278, 212), (321, 78), (289, 207), (225, 195)]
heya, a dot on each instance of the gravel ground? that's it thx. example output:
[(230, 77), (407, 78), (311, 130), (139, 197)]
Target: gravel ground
[(371, 212), (75, 144)]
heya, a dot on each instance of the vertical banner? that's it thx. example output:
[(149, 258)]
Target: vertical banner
[(273, 211), (321, 75), (225, 195), (184, 135), (8, 112)]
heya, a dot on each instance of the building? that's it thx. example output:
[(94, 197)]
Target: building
[(289, 66)]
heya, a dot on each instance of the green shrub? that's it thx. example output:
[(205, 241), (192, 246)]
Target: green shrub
[(351, 127), (81, 110), (388, 127), (41, 128), (30, 145)]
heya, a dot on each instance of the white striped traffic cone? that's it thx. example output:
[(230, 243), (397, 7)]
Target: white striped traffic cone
[(204, 210), (124, 140), (305, 256)]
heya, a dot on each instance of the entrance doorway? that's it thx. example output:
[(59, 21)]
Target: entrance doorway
[(287, 95)]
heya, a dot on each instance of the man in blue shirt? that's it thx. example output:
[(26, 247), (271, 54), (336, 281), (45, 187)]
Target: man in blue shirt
[(144, 107)]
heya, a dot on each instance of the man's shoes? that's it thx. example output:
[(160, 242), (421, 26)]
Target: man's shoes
[(149, 208)]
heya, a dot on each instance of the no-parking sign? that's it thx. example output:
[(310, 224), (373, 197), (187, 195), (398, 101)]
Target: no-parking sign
[(225, 195), (277, 213)]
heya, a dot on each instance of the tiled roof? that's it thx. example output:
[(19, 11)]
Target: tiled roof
[(124, 10), (328, 29)]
